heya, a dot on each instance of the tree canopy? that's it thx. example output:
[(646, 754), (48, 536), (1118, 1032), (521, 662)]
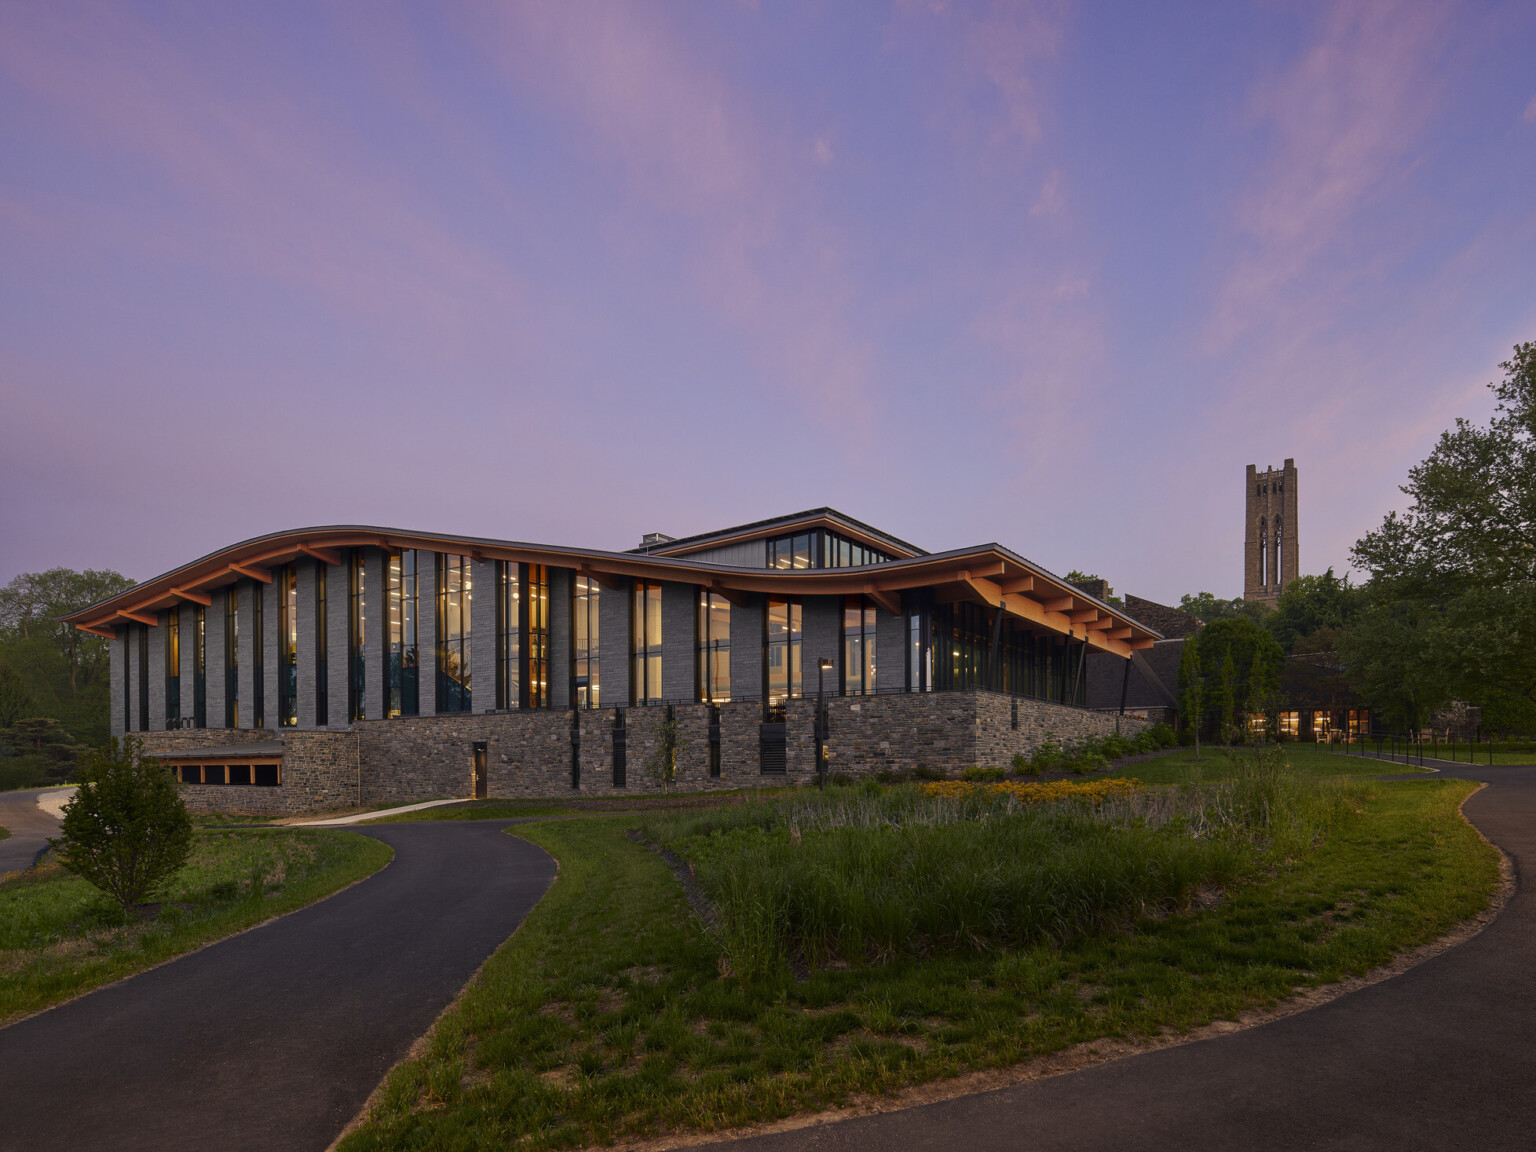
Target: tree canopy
[(1450, 611)]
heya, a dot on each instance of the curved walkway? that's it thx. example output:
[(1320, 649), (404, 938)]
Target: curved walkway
[(30, 826), (273, 1039), (1440, 1057)]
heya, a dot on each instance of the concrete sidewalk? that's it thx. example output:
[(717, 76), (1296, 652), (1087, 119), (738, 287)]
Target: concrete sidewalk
[(1441, 1059), (274, 1038), (30, 823)]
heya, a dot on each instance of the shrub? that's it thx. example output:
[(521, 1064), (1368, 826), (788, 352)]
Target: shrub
[(923, 772), (126, 830), (1048, 757), (892, 776), (1022, 767), (983, 774), (1164, 735), (1115, 746)]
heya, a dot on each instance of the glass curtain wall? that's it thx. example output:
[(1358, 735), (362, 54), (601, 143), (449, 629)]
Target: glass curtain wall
[(402, 679), (357, 627), (714, 655), (858, 647), (232, 656), (522, 635), (172, 667), (782, 654), (454, 580), (322, 647), (200, 666), (645, 641), (287, 646), (586, 665), (959, 654)]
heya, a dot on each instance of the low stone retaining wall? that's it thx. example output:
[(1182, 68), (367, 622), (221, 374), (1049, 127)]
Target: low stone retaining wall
[(530, 754)]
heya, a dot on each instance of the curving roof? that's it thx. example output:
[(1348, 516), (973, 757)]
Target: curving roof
[(986, 574)]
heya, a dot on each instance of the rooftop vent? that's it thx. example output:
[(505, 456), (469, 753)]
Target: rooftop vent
[(651, 539)]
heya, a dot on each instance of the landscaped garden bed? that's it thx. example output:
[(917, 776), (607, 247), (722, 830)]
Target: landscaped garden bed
[(872, 938)]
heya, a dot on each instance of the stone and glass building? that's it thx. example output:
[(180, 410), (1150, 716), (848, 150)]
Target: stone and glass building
[(327, 667)]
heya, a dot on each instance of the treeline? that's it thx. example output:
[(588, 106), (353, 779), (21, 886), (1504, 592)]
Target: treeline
[(1447, 615), (55, 683)]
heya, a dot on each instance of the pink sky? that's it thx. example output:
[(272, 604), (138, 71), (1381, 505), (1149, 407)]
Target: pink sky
[(1045, 274)]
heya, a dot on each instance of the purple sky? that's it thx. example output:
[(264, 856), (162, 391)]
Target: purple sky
[(1049, 275)]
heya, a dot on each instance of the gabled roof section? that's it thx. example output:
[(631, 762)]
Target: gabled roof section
[(783, 525)]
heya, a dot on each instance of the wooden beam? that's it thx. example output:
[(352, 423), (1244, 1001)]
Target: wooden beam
[(1085, 616), (1017, 584), (608, 580), (988, 591), (251, 573), (1062, 604), (325, 555), (1139, 645), (734, 597), (1123, 633), (98, 630), (142, 618), (889, 601), (196, 597)]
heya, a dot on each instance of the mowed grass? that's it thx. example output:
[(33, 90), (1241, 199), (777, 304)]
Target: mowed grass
[(59, 936), (1307, 760), (579, 805), (607, 1015)]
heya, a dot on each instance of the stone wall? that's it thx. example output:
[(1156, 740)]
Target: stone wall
[(415, 758)]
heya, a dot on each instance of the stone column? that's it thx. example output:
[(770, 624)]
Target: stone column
[(373, 634), (613, 645), (560, 637), (304, 588), (679, 642), (117, 672), (156, 678), (426, 632), (747, 649)]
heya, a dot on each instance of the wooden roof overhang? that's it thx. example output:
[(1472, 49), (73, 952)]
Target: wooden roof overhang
[(991, 575)]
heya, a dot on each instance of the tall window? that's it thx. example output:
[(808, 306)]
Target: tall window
[(858, 647), (322, 648), (522, 635), (200, 666), (919, 653), (172, 667), (258, 657), (1279, 553), (454, 579), (781, 649), (357, 625), (232, 656), (401, 652), (143, 678), (645, 640), (1263, 551), (287, 646), (584, 642), (714, 663)]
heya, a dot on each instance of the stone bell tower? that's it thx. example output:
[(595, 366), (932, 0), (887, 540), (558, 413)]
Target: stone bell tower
[(1269, 540)]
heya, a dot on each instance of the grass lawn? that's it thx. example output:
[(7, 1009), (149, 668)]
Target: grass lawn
[(1180, 766), (606, 1014), (60, 937)]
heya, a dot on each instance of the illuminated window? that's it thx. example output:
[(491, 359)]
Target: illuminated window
[(522, 635), (858, 647), (714, 655), (357, 627), (402, 654), (287, 646), (1290, 725), (258, 657), (172, 667), (200, 666), (584, 642), (322, 648), (645, 641), (232, 656), (782, 650), (454, 688)]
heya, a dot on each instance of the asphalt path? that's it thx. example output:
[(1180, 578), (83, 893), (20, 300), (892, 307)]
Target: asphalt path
[(1440, 1057), (273, 1039), (29, 826)]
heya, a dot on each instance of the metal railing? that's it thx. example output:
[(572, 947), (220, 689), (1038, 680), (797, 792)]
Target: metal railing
[(1417, 747)]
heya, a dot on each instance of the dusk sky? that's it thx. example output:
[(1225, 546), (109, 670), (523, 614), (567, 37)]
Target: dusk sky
[(1049, 274)]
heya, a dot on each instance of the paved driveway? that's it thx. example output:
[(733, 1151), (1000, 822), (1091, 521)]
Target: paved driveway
[(272, 1040), (1441, 1057)]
